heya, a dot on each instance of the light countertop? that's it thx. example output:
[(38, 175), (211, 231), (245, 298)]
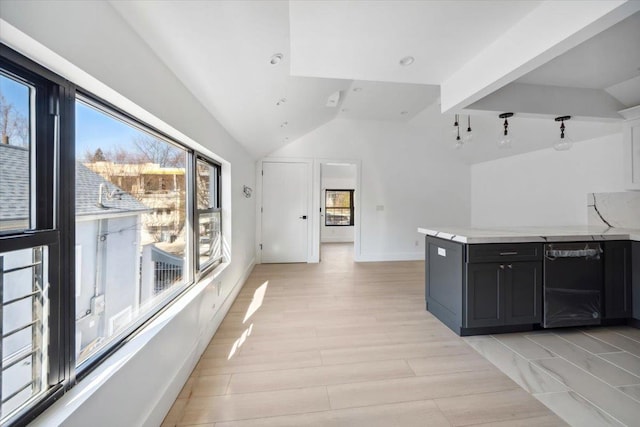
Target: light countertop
[(531, 234)]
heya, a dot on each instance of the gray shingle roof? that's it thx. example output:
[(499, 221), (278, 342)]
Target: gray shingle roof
[(14, 183), (87, 193), (14, 189)]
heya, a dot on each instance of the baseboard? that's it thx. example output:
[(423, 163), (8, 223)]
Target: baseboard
[(330, 239), (180, 378), (390, 256)]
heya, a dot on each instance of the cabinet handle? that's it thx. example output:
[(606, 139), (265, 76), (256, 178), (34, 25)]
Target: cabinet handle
[(508, 253), (501, 267), (510, 266)]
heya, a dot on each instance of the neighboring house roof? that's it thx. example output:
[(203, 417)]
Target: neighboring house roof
[(14, 183), (14, 189), (87, 195)]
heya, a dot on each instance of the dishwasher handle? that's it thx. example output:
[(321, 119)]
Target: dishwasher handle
[(586, 252)]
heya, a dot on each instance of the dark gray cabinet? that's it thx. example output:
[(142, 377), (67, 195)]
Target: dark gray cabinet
[(484, 288), (523, 293), (635, 279), (502, 294), (444, 275), (617, 280), (484, 295)]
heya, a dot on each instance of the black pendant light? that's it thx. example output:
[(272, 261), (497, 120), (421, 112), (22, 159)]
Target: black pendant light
[(469, 135), (563, 143)]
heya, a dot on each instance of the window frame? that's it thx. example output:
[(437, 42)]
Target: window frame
[(53, 97), (55, 222), (87, 366), (351, 208), (204, 269)]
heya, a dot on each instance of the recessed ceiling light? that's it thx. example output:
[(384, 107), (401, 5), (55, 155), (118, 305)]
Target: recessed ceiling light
[(407, 60), (275, 59), (281, 101), (284, 124), (357, 89), (404, 113)]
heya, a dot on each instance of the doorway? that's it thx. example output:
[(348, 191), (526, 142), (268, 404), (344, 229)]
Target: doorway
[(338, 183)]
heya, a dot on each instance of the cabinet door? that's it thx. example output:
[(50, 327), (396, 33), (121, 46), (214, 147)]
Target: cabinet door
[(523, 293), (635, 279), (617, 280), (485, 283)]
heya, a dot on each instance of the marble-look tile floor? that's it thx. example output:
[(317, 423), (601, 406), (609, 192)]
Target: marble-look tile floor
[(588, 376), (347, 344)]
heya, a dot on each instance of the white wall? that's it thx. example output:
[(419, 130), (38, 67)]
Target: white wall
[(138, 387), (404, 171), (336, 177), (546, 187)]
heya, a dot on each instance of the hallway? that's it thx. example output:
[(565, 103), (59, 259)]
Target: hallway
[(345, 344)]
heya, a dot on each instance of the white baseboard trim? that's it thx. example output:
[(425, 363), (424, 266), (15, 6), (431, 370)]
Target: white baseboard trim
[(330, 239), (390, 256)]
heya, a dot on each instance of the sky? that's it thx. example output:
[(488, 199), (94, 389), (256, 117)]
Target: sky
[(94, 128), (15, 93)]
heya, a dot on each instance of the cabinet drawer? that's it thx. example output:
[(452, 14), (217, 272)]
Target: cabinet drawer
[(507, 252)]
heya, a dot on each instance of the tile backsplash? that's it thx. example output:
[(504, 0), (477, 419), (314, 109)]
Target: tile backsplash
[(619, 210)]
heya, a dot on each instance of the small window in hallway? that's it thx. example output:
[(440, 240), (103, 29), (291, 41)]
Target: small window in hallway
[(338, 208)]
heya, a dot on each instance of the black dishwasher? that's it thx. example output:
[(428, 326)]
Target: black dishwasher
[(573, 277)]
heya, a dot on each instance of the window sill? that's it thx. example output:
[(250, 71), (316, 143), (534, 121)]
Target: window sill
[(74, 399)]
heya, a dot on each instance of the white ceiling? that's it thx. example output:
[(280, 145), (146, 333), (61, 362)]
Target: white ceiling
[(386, 101), (611, 57), (595, 79), (365, 40), (347, 50)]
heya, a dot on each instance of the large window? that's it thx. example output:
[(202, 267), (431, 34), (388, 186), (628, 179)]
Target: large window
[(131, 234), (103, 222), (338, 208)]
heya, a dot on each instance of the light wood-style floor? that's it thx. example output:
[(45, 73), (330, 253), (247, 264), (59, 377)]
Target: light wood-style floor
[(345, 344)]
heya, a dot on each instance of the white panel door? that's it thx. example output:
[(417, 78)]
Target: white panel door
[(285, 218)]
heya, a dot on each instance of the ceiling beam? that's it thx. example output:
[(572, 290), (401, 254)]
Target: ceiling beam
[(540, 100), (550, 30)]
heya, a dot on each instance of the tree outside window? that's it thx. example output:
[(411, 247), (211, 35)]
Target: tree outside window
[(338, 208)]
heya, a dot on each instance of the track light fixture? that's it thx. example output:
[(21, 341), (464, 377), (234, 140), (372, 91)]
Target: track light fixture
[(506, 138), (459, 141), (456, 126), (469, 135), (466, 136), (563, 143)]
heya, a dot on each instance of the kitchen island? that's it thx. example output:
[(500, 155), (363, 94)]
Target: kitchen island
[(492, 280)]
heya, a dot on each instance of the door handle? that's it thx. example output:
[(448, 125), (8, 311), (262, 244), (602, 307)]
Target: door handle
[(303, 217)]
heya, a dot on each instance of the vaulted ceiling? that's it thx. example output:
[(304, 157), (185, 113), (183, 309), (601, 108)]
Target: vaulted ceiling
[(272, 71)]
